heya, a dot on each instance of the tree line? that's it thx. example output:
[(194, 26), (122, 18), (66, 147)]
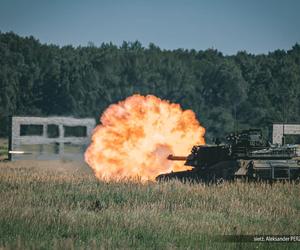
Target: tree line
[(226, 92)]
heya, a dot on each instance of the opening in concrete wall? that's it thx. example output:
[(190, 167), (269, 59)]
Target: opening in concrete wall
[(52, 131), (292, 139), (75, 131), (31, 129)]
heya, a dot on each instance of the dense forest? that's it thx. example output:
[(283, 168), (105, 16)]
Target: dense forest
[(226, 92)]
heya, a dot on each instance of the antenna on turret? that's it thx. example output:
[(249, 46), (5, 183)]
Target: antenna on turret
[(284, 121)]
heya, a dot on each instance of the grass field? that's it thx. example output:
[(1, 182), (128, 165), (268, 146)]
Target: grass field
[(54, 205)]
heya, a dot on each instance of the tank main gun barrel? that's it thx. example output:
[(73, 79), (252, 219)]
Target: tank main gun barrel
[(177, 158)]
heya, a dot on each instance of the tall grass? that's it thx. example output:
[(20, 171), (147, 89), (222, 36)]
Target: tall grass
[(47, 209)]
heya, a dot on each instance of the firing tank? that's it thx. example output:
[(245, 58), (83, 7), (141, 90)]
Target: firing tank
[(245, 155)]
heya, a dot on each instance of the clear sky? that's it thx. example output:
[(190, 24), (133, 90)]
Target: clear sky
[(257, 26)]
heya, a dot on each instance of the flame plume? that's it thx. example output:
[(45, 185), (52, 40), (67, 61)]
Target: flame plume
[(136, 136)]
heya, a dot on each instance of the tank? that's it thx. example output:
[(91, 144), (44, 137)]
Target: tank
[(245, 155)]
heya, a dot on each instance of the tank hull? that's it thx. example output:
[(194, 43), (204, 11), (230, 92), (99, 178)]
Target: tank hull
[(267, 170)]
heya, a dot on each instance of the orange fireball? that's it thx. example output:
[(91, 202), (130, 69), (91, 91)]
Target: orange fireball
[(136, 136)]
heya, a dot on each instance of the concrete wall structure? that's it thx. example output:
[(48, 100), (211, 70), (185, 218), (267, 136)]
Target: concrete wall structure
[(281, 129), (43, 146)]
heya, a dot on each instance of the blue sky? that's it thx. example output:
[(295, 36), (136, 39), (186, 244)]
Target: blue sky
[(257, 26)]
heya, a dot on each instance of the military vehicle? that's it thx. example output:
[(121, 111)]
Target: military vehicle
[(245, 155)]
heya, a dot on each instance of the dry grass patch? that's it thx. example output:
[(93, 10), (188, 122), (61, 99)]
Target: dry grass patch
[(61, 205)]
